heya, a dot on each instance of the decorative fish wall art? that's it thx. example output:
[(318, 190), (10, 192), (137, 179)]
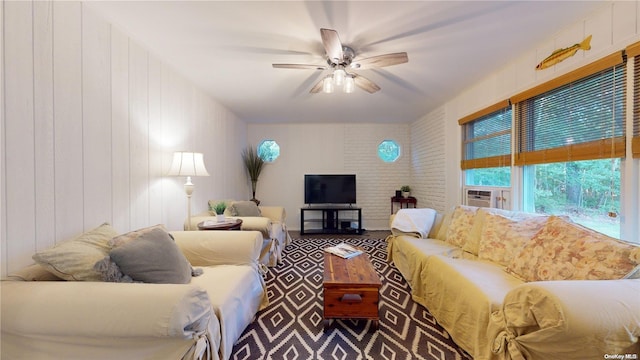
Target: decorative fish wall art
[(562, 54)]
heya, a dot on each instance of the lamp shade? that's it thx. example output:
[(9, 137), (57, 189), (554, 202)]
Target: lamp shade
[(187, 164)]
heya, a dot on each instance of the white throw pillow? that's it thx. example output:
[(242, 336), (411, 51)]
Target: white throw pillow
[(74, 259)]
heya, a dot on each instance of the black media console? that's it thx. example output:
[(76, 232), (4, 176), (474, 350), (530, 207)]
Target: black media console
[(330, 220)]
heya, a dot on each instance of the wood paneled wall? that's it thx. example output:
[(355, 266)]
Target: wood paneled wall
[(90, 122)]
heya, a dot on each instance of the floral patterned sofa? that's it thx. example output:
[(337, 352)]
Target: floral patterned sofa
[(512, 285)]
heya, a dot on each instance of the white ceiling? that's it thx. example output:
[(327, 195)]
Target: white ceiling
[(227, 48)]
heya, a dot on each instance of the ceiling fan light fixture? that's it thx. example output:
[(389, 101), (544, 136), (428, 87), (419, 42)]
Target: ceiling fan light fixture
[(349, 84), (327, 85), (339, 76), (340, 57)]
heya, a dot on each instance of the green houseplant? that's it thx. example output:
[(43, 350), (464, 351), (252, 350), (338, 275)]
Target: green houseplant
[(406, 191), (219, 209), (253, 163)]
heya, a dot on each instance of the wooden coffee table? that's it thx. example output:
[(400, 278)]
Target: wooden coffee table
[(351, 289), (230, 224)]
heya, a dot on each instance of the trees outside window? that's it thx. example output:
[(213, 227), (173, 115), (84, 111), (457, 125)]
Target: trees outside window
[(269, 150), (498, 176), (389, 151), (588, 192)]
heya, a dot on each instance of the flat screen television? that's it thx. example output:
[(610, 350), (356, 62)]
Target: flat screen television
[(329, 189)]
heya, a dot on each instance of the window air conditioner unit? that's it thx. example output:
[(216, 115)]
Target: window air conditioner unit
[(480, 198)]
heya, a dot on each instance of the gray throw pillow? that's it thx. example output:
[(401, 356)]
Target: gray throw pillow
[(111, 272), (245, 208), (153, 258)]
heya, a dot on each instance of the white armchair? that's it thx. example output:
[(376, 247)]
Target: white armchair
[(270, 222)]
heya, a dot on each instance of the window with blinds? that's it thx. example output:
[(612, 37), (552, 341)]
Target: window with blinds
[(634, 51), (582, 119), (486, 138), (570, 139)]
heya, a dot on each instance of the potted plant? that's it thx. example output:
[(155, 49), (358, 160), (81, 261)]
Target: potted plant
[(219, 208), (253, 163), (406, 191)]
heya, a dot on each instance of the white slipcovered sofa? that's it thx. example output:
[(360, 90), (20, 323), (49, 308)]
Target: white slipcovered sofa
[(270, 221), (202, 319), (510, 285)]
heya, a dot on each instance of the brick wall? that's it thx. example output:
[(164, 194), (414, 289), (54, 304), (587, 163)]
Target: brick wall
[(334, 148), (377, 180), (428, 176)]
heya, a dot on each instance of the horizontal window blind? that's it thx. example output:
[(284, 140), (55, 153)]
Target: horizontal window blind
[(580, 120), (634, 51), (487, 137)]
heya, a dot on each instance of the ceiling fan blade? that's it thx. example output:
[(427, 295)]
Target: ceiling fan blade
[(299, 66), (381, 61), (317, 87), (366, 84), (332, 45)]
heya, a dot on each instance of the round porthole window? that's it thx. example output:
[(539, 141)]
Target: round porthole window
[(269, 150), (389, 151)]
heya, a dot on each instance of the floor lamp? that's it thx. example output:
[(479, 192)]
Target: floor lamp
[(188, 164)]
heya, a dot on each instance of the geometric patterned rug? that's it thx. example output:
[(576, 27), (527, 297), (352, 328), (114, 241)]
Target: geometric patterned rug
[(291, 327)]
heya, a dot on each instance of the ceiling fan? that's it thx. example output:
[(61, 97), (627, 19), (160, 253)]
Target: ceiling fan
[(341, 58)]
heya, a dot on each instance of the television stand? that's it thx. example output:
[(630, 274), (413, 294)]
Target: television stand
[(330, 220)]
